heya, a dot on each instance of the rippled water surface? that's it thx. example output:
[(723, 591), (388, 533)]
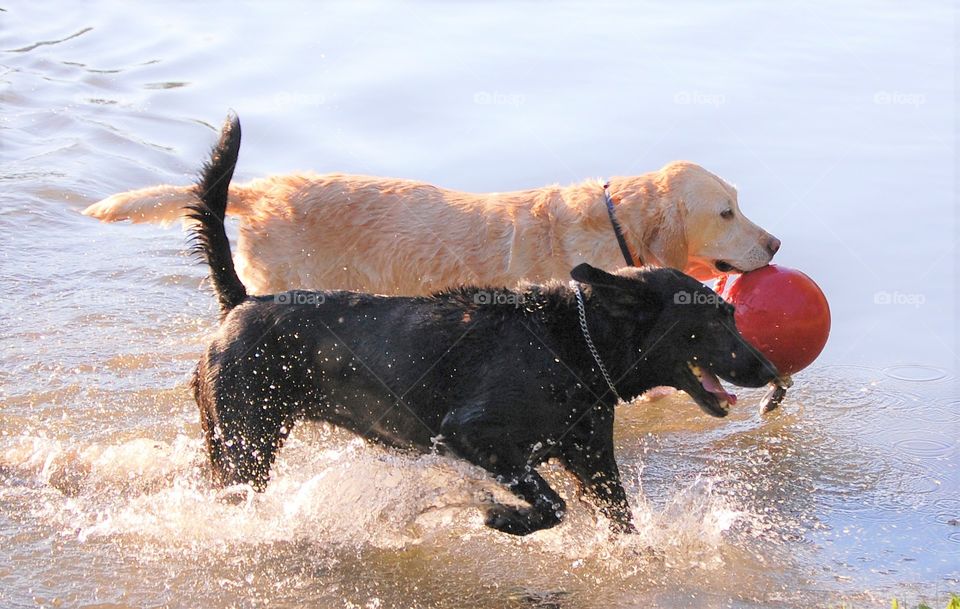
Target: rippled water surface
[(835, 121)]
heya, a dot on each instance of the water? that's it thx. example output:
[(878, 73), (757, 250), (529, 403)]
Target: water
[(836, 122)]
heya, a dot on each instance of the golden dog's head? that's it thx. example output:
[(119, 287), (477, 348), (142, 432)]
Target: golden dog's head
[(691, 221)]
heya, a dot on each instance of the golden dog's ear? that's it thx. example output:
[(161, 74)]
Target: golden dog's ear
[(668, 242)]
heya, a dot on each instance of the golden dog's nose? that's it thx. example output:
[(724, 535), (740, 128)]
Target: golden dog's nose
[(773, 245)]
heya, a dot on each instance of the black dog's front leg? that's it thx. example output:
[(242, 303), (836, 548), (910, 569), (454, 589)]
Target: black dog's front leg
[(547, 507), (471, 435), (594, 465)]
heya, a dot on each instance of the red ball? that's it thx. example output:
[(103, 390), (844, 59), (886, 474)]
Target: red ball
[(781, 312)]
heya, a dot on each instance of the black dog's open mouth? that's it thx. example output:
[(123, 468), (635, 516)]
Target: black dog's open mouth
[(708, 392), (726, 267)]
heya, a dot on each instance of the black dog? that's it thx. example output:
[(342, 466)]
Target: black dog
[(504, 379)]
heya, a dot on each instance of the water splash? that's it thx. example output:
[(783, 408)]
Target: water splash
[(345, 493)]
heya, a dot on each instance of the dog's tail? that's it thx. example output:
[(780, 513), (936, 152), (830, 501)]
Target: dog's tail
[(160, 204), (166, 203), (209, 234)]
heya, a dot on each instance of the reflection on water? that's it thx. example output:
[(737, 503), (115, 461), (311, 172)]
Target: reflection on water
[(850, 492)]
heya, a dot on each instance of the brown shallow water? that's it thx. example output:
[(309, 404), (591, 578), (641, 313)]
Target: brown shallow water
[(837, 132)]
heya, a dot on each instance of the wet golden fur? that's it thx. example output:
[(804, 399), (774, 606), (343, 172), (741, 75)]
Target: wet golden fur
[(395, 236)]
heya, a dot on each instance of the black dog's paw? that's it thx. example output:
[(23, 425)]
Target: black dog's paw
[(516, 521)]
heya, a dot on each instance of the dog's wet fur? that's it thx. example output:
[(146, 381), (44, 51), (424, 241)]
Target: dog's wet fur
[(501, 378)]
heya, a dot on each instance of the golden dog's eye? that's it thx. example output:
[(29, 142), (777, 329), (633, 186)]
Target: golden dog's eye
[(727, 213)]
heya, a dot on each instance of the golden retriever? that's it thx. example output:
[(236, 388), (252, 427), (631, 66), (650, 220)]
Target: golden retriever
[(394, 236)]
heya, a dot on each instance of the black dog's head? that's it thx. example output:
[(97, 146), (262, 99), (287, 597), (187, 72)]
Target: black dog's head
[(682, 331)]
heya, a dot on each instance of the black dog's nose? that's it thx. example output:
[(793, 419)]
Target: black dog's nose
[(773, 245)]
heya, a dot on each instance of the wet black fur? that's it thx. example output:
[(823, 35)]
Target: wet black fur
[(505, 386)]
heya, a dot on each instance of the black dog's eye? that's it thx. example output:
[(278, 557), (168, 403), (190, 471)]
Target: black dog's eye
[(727, 213)]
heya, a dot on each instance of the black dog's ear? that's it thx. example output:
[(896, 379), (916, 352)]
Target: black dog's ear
[(631, 297), (591, 275)]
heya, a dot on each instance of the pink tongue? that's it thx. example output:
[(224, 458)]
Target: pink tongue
[(712, 384)]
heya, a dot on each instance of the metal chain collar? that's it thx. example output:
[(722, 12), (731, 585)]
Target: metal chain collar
[(590, 345)]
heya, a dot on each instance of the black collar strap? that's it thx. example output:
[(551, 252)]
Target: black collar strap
[(616, 227)]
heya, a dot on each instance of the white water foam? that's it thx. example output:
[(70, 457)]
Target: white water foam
[(336, 491)]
